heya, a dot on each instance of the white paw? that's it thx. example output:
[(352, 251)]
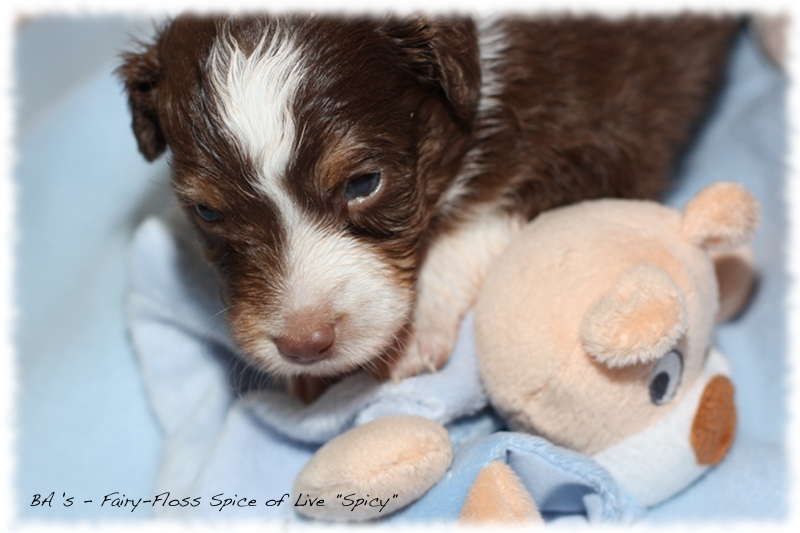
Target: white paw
[(427, 351)]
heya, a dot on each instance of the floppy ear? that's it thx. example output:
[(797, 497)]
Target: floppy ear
[(443, 54), (637, 320), (141, 74), (722, 216)]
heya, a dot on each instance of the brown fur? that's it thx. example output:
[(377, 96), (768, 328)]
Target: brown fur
[(595, 108), (587, 108)]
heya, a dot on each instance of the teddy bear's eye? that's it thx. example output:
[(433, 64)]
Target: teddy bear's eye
[(666, 377)]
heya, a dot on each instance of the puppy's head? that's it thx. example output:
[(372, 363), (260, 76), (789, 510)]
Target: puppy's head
[(309, 154)]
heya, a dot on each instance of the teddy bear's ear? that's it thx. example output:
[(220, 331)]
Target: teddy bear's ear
[(736, 278), (637, 320), (722, 216)]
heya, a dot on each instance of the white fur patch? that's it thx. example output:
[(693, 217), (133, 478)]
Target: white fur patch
[(449, 283), (326, 272), (349, 282), (493, 43), (255, 95), (457, 262)]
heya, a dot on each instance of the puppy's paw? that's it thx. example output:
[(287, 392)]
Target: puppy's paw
[(447, 287), (428, 349)]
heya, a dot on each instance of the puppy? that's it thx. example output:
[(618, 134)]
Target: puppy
[(351, 179)]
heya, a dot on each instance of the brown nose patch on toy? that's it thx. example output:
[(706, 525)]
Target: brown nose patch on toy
[(715, 422)]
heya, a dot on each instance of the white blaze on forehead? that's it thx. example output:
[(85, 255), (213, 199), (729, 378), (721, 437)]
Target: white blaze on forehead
[(326, 271), (255, 94)]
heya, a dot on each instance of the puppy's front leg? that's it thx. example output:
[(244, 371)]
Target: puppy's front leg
[(447, 286)]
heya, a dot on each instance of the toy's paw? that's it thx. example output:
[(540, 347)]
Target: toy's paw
[(428, 349), (497, 495), (373, 470)]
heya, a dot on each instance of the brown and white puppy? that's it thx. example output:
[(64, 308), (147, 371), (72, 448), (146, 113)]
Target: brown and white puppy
[(352, 178)]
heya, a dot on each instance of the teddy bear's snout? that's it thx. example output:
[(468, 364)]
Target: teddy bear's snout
[(714, 423)]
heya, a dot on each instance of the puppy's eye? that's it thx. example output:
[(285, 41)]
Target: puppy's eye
[(207, 214), (666, 377), (362, 186)]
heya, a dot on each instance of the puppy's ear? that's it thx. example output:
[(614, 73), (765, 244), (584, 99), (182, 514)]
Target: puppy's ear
[(444, 54), (141, 73)]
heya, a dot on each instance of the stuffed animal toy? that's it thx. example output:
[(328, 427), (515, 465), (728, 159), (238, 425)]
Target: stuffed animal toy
[(593, 330)]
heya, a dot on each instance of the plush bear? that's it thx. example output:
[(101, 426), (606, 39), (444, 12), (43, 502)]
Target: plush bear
[(593, 330)]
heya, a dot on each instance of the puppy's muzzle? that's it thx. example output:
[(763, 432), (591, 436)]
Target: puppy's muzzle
[(307, 339)]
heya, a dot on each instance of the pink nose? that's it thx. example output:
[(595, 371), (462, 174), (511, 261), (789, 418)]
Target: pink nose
[(306, 344)]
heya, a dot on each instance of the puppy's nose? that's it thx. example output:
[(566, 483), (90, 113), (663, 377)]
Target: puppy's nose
[(307, 343), (714, 423)]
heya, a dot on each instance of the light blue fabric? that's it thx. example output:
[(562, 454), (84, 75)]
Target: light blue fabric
[(563, 483), (82, 422), (746, 141)]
